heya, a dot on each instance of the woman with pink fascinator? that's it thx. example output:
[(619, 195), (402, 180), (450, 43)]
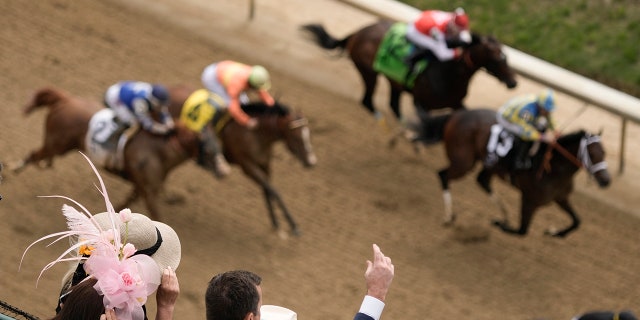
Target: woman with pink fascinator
[(119, 263)]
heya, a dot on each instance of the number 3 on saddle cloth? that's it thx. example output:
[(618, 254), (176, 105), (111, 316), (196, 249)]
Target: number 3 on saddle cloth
[(500, 143), (392, 53)]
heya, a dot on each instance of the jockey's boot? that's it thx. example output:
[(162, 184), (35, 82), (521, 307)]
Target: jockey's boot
[(222, 168), (522, 160), (416, 55), (117, 162)]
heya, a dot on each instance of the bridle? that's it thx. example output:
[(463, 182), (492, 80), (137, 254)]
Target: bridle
[(583, 159)]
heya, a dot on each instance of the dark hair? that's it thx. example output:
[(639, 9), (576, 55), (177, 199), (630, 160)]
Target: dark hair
[(82, 302), (232, 295)]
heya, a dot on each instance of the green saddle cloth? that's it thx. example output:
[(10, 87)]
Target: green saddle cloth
[(391, 55)]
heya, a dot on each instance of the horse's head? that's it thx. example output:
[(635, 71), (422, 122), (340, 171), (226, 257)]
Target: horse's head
[(592, 156), (486, 52), (294, 129), (589, 153)]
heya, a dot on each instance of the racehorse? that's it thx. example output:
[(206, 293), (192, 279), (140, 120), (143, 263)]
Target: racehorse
[(440, 85), (252, 150), (148, 158), (466, 135)]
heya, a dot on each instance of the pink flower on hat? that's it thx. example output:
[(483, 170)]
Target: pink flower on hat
[(125, 215), (125, 284)]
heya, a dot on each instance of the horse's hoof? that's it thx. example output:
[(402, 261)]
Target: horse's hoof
[(283, 234), (449, 222)]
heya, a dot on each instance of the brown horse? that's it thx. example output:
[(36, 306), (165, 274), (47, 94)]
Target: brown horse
[(440, 85), (466, 134), (147, 158), (252, 150)]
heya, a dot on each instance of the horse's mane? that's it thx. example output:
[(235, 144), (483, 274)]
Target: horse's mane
[(564, 140), (261, 108), (571, 137)]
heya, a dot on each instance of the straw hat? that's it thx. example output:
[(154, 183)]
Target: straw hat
[(141, 232), (271, 312)]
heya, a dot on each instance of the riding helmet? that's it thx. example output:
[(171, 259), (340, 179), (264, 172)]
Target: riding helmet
[(462, 21), (159, 95), (545, 100), (259, 78)]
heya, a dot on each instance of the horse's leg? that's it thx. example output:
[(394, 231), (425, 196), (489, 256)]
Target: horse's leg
[(274, 195), (394, 99), (261, 177), (34, 157), (575, 221), (459, 165), (526, 213), (370, 79), (484, 180), (269, 202), (449, 217)]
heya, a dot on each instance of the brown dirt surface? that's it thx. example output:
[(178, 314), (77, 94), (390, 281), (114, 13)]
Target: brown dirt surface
[(360, 193)]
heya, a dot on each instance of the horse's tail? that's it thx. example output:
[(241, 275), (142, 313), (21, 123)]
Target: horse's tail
[(324, 39), (43, 97)]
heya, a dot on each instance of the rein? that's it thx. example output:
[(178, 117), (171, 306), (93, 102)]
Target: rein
[(466, 56), (580, 161)]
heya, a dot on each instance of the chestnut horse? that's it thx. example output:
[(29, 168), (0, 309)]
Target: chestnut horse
[(466, 134), (440, 85), (148, 158), (252, 150)]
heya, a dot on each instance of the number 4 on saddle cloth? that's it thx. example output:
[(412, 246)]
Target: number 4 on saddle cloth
[(392, 54), (203, 107)]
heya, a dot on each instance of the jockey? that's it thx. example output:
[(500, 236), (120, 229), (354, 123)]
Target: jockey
[(529, 117), (231, 80), (136, 102), (139, 104), (439, 34)]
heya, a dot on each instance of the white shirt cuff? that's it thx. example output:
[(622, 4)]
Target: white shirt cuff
[(372, 307)]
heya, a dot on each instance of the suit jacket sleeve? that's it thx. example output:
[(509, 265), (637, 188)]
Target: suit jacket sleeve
[(362, 316)]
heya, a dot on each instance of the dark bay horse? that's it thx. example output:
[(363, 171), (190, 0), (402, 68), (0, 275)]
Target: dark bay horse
[(148, 158), (466, 134), (440, 85), (252, 150)]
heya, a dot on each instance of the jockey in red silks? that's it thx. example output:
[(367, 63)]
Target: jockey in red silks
[(230, 79), (439, 34)]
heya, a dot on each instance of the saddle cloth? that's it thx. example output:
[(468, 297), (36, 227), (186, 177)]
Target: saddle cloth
[(203, 107), (102, 137), (392, 53), (500, 143)]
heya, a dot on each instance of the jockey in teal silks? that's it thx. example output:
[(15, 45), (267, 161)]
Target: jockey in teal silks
[(529, 118)]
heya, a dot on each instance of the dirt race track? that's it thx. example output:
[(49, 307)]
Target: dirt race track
[(360, 193)]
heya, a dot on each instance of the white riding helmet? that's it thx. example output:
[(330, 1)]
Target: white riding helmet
[(259, 78)]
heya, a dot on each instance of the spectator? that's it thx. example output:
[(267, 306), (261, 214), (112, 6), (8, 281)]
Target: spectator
[(122, 274), (237, 295), (606, 315)]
